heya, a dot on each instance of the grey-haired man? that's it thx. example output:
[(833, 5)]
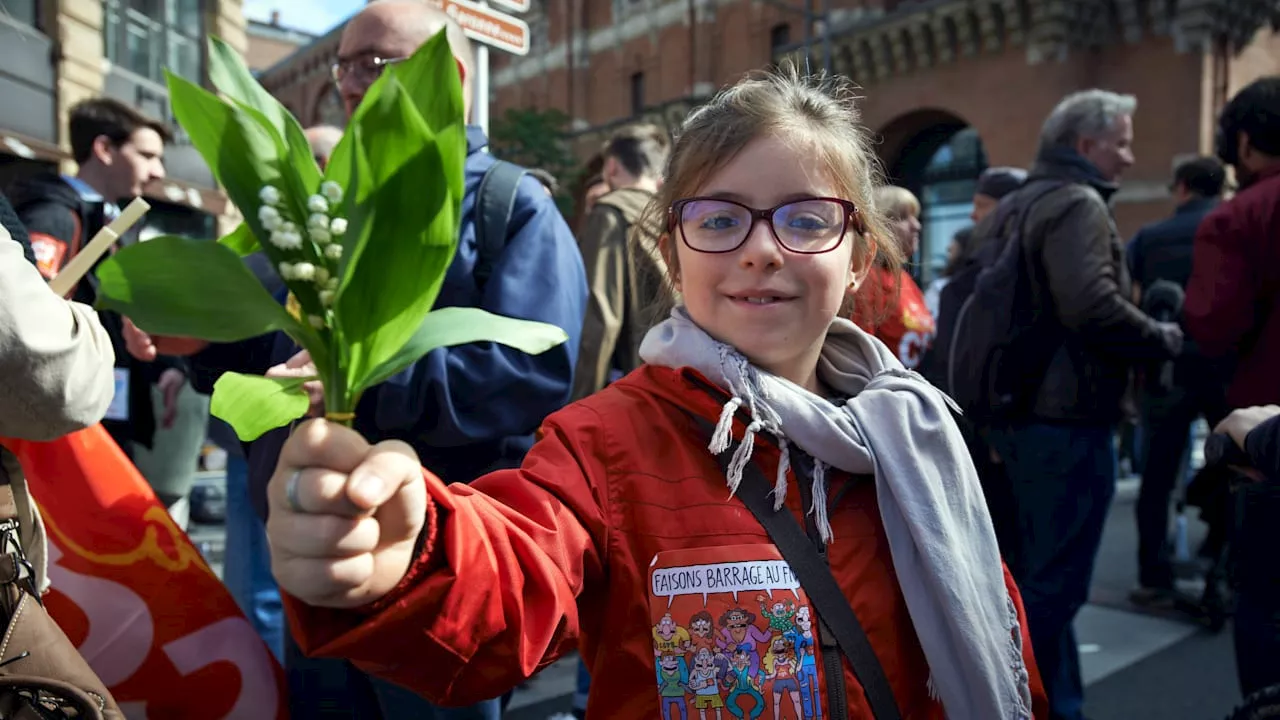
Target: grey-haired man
[(1059, 453)]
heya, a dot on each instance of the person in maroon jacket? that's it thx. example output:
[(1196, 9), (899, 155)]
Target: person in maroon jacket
[(1232, 306), (1232, 309)]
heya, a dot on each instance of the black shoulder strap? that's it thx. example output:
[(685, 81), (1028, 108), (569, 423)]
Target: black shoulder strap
[(835, 613), (495, 201)]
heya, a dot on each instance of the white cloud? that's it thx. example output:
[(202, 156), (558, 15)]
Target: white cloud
[(313, 16)]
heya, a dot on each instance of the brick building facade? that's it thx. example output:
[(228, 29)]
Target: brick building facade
[(950, 86), (55, 53), (269, 42)]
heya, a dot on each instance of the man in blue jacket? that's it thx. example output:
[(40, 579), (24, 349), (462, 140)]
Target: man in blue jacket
[(466, 410), (1160, 252)]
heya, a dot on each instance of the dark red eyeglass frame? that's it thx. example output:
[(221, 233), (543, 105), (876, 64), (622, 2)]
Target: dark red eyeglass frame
[(852, 217)]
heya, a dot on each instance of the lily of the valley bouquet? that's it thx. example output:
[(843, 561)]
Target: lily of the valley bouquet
[(363, 247)]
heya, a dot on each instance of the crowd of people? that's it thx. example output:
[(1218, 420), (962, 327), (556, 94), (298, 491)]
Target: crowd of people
[(755, 395)]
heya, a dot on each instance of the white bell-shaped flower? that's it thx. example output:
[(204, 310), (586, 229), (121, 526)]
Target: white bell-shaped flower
[(331, 191)]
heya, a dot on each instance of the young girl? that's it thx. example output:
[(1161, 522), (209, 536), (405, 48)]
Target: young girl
[(621, 514), (889, 304)]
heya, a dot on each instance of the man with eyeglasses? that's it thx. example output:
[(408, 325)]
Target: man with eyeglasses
[(471, 409), (466, 410)]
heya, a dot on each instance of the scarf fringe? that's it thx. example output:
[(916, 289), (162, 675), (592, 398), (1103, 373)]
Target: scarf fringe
[(723, 436), (819, 507), (742, 456), (780, 483)]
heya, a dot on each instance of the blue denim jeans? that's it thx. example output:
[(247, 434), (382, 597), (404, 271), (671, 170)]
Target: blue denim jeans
[(1063, 479), (247, 564)]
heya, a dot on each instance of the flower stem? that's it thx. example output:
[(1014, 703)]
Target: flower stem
[(338, 405)]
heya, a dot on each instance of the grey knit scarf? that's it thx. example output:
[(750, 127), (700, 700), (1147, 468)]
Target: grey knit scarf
[(898, 427)]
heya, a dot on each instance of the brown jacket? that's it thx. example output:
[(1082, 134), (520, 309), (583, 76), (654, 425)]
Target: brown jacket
[(1081, 283), (627, 279)]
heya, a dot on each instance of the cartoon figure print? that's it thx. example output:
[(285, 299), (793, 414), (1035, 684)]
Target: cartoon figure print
[(744, 682), (739, 630), (804, 641), (702, 632), (673, 684), (704, 681), (671, 639), (721, 656), (781, 667), (779, 615)]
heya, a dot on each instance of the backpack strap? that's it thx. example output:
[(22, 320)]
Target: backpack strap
[(495, 202), (836, 618)]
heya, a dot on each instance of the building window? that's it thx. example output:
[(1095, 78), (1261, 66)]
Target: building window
[(637, 93), (623, 9), (779, 37), (24, 11), (148, 36)]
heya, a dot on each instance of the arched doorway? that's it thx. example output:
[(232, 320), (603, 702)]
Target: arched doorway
[(937, 156)]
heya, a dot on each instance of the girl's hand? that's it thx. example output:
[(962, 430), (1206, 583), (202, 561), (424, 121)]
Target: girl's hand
[(345, 516)]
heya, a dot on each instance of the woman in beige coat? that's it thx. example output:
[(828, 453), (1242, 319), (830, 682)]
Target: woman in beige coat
[(55, 374), (55, 378)]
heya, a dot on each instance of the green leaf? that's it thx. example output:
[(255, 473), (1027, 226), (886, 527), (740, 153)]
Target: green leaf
[(228, 73), (239, 150), (430, 78), (451, 326), (402, 232), (192, 288), (338, 169), (244, 153), (241, 241), (253, 405)]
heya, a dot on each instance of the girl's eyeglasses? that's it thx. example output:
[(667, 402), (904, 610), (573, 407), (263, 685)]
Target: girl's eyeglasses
[(808, 226)]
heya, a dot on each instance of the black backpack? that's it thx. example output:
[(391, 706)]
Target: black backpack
[(495, 202), (992, 349)]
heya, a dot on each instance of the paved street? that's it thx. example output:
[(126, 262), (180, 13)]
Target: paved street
[(1135, 666)]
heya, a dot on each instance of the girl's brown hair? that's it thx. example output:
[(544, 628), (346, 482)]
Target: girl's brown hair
[(817, 112)]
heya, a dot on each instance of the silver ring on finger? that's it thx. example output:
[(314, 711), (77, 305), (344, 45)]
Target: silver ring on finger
[(291, 492)]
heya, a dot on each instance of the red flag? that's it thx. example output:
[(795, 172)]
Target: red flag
[(136, 597)]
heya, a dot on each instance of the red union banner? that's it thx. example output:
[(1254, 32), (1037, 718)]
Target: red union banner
[(136, 597)]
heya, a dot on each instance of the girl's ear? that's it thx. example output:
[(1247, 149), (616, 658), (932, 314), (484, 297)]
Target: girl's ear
[(862, 261)]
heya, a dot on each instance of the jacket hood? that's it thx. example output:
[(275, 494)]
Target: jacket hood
[(43, 188)]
